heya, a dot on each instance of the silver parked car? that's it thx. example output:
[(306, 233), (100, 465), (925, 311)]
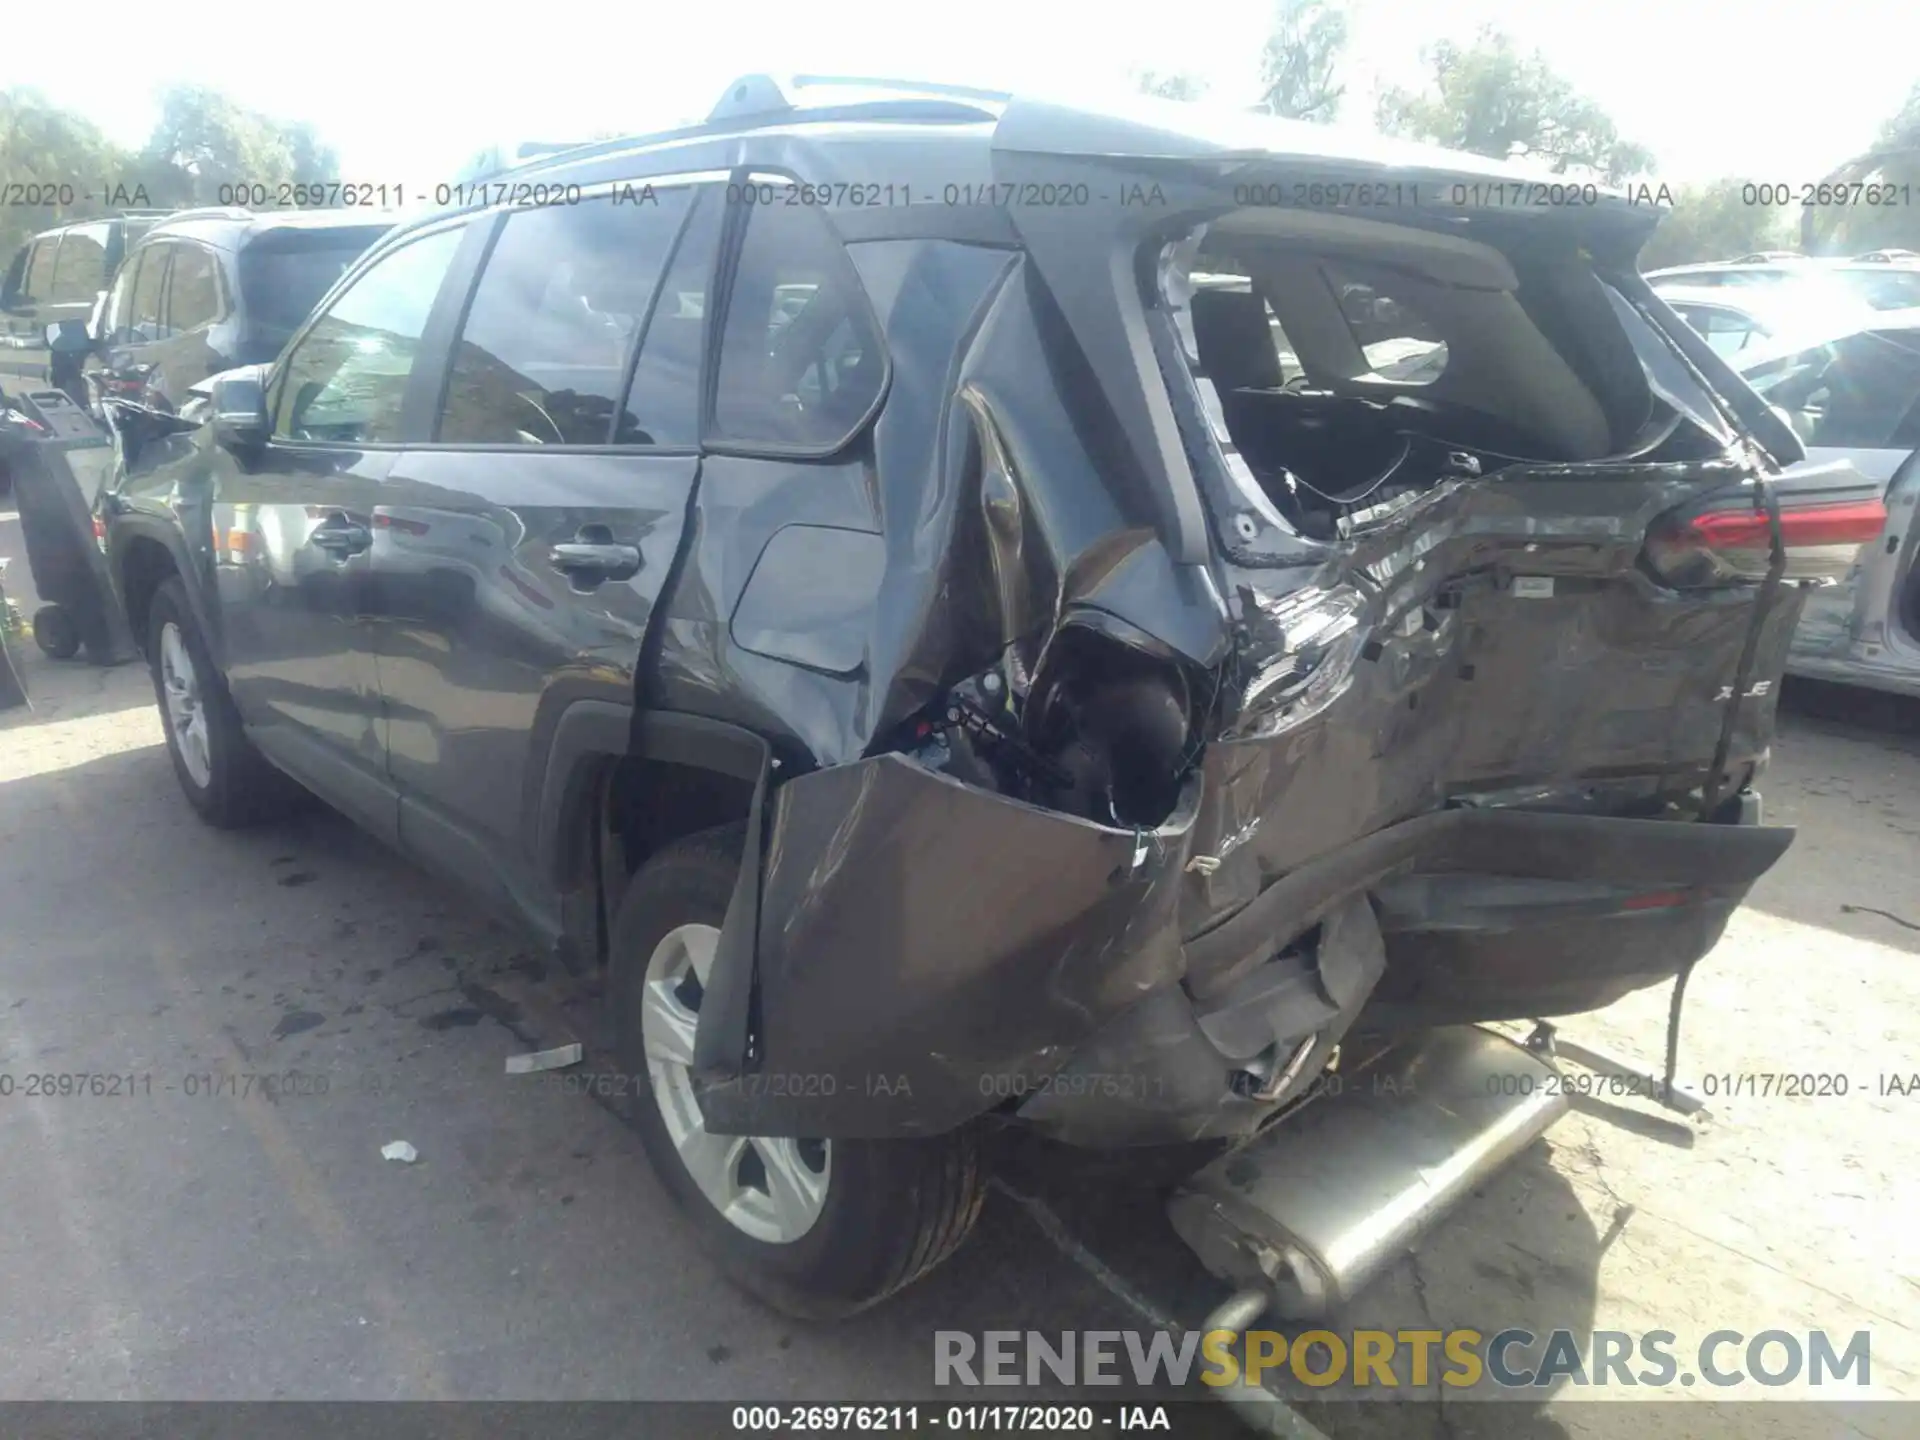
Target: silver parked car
[(1751, 320), (1853, 396), (1890, 284)]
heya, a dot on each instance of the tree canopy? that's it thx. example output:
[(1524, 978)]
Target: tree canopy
[(1491, 98), (201, 141), (1301, 59)]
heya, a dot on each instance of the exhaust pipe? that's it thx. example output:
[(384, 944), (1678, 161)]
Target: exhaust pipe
[(1316, 1207)]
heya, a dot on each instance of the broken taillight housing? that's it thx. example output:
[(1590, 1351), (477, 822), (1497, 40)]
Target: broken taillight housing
[(1729, 541), (1321, 639)]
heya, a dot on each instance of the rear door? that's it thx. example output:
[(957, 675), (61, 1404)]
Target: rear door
[(519, 552), (134, 321), (196, 301)]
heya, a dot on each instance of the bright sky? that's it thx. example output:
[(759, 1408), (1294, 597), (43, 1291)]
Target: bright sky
[(405, 92)]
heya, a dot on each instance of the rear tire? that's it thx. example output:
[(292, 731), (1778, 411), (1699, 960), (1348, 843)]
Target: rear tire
[(866, 1218), (223, 777), (55, 633)]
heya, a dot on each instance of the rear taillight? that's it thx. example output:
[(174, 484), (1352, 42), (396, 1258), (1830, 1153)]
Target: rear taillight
[(1732, 541)]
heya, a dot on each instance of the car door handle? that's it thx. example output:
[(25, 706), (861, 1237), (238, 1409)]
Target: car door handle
[(595, 560), (342, 537)]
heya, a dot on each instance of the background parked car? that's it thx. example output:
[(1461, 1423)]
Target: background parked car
[(1737, 320), (208, 290), (1853, 395), (1885, 285), (58, 275)]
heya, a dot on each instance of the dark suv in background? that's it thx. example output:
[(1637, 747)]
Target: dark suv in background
[(974, 609), (206, 290)]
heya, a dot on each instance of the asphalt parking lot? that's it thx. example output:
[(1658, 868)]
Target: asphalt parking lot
[(196, 1239)]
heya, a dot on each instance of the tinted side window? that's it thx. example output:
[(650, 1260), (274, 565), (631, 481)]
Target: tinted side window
[(346, 378), (1727, 332), (800, 364), (193, 295), (543, 350), (663, 403), (81, 273), (1867, 390), (1888, 290), (40, 269), (120, 303), (148, 285)]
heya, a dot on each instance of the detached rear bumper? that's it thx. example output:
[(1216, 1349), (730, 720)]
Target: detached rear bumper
[(927, 952), (1483, 915)]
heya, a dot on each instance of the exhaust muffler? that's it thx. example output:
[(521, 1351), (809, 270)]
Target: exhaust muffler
[(1316, 1207)]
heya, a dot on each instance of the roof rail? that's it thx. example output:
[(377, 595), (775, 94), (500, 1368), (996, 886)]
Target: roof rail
[(140, 214), (211, 212), (754, 95)]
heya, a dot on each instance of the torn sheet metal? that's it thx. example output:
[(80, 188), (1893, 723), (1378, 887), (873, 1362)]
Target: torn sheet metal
[(926, 948)]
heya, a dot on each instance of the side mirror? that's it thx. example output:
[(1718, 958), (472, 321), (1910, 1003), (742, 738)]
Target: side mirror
[(240, 410), (69, 337)]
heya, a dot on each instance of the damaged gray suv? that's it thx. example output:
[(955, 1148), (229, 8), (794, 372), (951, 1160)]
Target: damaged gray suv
[(982, 612)]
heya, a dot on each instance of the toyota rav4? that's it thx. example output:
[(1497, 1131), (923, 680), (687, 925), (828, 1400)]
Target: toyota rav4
[(976, 611)]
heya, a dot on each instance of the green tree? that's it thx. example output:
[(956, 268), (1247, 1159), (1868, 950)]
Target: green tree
[(1300, 58), (1892, 162), (1491, 98), (1714, 222), (1170, 84), (204, 141), (65, 154)]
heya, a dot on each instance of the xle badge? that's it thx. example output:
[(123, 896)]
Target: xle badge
[(1754, 691)]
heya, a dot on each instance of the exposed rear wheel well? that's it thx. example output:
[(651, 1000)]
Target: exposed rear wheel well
[(652, 803)]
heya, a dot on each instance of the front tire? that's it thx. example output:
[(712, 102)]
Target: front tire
[(819, 1229), (223, 777)]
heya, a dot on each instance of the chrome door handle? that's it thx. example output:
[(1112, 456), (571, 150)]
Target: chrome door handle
[(595, 560), (342, 537)]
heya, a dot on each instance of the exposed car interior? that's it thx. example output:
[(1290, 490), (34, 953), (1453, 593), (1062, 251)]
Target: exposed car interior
[(1356, 363)]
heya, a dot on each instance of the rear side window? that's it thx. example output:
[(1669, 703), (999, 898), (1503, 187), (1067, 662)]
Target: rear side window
[(1861, 393), (1728, 333), (40, 269), (81, 273), (284, 274), (346, 379), (800, 361), (193, 297), (542, 355), (144, 318), (1886, 290)]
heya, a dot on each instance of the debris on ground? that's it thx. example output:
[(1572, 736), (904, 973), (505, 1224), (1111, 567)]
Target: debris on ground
[(558, 1058), (399, 1150)]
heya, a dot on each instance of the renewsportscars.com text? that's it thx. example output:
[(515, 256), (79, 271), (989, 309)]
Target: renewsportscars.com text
[(1390, 1359)]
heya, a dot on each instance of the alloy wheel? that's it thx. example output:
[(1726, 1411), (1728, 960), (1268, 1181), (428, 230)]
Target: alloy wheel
[(186, 712), (770, 1189)]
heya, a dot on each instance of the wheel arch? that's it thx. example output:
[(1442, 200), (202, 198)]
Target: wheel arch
[(620, 786), (142, 563)]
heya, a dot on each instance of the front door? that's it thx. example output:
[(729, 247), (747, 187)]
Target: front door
[(517, 557), (293, 530)]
